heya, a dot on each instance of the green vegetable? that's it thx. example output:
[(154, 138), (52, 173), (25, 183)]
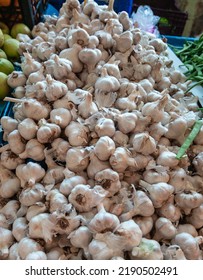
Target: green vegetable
[(192, 57), (188, 141)]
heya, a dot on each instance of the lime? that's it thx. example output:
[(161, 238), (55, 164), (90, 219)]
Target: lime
[(11, 47), (1, 38), (20, 28), (6, 66), (4, 27), (4, 88), (2, 54), (6, 37)]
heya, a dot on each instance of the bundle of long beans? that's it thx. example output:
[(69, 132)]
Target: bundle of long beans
[(192, 57)]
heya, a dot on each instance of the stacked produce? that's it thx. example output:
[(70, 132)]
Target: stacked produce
[(9, 45), (91, 169)]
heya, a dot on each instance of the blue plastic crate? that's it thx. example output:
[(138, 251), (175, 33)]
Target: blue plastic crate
[(178, 41), (119, 5)]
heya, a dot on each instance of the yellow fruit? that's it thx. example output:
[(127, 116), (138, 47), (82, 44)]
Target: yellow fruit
[(2, 54), (6, 66), (4, 88), (1, 38), (20, 28), (4, 27), (11, 47), (6, 37)]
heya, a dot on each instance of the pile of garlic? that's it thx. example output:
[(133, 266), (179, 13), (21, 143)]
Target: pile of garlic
[(90, 168)]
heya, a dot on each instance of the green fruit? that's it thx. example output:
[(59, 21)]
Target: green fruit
[(4, 27), (3, 54), (6, 37), (20, 28), (1, 38), (4, 88), (6, 66), (11, 47)]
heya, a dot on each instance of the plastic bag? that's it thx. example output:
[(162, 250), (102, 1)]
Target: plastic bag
[(146, 19)]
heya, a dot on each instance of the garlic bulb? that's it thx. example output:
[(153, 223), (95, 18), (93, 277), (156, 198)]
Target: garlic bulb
[(6, 240), (27, 246), (144, 143), (29, 173), (103, 222), (84, 198)]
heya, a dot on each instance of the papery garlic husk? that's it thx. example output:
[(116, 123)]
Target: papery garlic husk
[(196, 217), (85, 198), (173, 252), (105, 127), (121, 159), (61, 117), (60, 148), (47, 132), (80, 238), (167, 158), (35, 110), (20, 228), (3, 222), (57, 200), (65, 222), (104, 148), (77, 134), (29, 65), (178, 179), (27, 246), (16, 142), (147, 250), (13, 252), (29, 173), (77, 159), (36, 209), (144, 143), (126, 122), (165, 230), (28, 129), (99, 250), (198, 163), (130, 233), (155, 109), (40, 226), (10, 187), (34, 150), (96, 165), (32, 195), (9, 183), (103, 222), (156, 175), (170, 210), (38, 255), (189, 246), (188, 200), (6, 240), (87, 107), (36, 77), (145, 224), (8, 124), (141, 205), (10, 209), (68, 184), (109, 180), (158, 193), (55, 253), (54, 176), (189, 228)]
